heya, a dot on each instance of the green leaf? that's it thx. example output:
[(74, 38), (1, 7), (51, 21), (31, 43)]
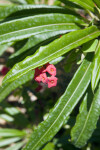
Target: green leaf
[(88, 5), (96, 68), (97, 2), (72, 57), (71, 4), (49, 146), (51, 51), (68, 67), (23, 28), (86, 121), (9, 87), (17, 11), (4, 142), (32, 45), (39, 21), (90, 46), (11, 133), (16, 146), (34, 41), (59, 115)]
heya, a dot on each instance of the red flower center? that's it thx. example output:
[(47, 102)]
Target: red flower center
[(52, 81), (43, 78), (52, 69)]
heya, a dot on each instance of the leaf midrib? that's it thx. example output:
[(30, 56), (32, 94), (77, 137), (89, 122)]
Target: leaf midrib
[(85, 123), (98, 72), (63, 108), (36, 28)]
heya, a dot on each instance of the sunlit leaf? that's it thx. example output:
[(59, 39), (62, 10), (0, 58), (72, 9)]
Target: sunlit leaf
[(51, 51), (59, 115), (86, 121)]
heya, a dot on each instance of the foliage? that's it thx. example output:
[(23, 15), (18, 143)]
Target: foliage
[(68, 37)]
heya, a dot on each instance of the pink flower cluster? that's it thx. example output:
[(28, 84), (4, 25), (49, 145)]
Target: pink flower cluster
[(41, 76)]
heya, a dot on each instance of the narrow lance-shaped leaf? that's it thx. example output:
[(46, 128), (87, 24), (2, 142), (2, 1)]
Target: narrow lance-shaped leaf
[(86, 121), (16, 146), (9, 87), (33, 41), (11, 133), (51, 51), (20, 29), (32, 45), (89, 5), (90, 46), (59, 115), (15, 11), (71, 4), (96, 68), (38, 21), (97, 2), (5, 142)]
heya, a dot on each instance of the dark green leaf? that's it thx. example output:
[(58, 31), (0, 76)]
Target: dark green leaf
[(15, 11), (86, 121), (71, 4), (96, 68), (97, 2), (90, 46), (88, 5)]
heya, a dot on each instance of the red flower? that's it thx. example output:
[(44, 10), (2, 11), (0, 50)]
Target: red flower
[(51, 69), (44, 78), (4, 70), (47, 64), (38, 78), (40, 75), (52, 81), (37, 75), (37, 72), (42, 70)]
